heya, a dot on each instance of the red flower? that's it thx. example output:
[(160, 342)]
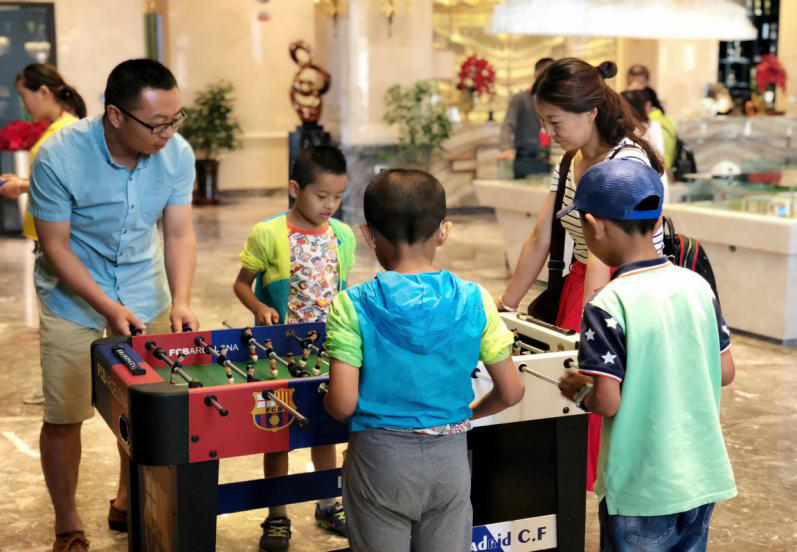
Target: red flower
[(21, 135), (770, 71), (477, 76)]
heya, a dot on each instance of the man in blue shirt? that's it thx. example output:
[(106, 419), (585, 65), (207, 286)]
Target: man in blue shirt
[(98, 190)]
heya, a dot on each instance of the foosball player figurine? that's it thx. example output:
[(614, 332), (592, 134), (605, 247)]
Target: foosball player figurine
[(305, 356), (250, 371), (516, 349)]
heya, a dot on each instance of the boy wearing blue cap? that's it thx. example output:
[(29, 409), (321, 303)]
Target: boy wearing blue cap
[(656, 349), (403, 346)]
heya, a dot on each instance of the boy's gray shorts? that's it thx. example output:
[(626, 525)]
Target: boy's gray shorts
[(403, 489)]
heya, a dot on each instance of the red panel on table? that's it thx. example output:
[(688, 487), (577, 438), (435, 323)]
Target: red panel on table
[(252, 425), (118, 383), (173, 345)]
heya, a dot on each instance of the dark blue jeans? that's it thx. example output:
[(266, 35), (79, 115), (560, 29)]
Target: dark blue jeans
[(684, 532)]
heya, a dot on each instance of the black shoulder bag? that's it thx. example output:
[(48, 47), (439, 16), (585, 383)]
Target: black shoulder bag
[(545, 306)]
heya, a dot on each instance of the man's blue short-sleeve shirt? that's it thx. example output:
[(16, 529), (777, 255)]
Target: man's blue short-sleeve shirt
[(112, 213)]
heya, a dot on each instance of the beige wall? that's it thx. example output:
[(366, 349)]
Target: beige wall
[(680, 70), (92, 37), (210, 41), (787, 53)]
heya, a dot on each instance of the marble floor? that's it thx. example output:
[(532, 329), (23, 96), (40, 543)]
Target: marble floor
[(758, 409)]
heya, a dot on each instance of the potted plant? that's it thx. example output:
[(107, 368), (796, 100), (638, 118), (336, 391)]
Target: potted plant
[(211, 129), (421, 119)]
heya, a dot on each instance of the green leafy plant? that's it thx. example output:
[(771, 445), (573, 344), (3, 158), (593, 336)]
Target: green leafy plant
[(422, 121), (210, 127)]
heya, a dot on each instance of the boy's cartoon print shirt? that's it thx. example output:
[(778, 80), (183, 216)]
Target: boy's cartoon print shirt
[(314, 274)]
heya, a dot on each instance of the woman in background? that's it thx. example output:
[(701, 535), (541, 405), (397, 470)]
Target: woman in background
[(642, 105), (45, 96)]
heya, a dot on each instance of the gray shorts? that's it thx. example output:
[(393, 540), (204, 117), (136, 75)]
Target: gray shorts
[(406, 489)]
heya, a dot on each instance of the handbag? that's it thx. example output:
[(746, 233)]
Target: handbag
[(545, 306)]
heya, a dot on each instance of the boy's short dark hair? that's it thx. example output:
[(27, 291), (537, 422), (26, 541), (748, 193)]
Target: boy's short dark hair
[(642, 227), (317, 159), (130, 77), (405, 205)]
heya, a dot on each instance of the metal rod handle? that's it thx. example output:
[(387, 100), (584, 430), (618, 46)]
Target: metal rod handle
[(536, 374), (212, 400), (300, 419)]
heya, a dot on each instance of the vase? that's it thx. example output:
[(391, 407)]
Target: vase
[(466, 106), (22, 163), (207, 182)]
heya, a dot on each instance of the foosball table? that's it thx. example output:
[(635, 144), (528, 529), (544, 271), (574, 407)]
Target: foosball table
[(178, 403)]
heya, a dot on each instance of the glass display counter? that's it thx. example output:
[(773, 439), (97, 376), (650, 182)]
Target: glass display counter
[(748, 226)]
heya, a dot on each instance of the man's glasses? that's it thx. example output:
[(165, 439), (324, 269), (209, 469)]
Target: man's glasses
[(162, 128)]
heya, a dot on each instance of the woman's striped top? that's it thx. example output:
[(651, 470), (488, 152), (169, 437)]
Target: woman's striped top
[(626, 149)]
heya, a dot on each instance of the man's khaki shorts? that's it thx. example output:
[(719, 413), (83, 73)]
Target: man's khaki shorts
[(66, 365)]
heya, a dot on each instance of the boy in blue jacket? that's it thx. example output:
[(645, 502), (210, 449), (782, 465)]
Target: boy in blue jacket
[(402, 348)]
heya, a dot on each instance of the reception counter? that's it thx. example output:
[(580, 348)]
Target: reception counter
[(754, 256)]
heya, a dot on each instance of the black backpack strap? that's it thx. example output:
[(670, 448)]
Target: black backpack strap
[(621, 148), (556, 264)]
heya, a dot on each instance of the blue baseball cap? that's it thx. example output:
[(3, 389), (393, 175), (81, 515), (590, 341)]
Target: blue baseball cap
[(614, 189)]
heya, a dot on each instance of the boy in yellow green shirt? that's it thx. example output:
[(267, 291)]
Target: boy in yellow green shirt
[(298, 261)]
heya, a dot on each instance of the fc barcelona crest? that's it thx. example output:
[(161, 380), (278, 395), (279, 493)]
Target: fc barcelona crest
[(269, 415)]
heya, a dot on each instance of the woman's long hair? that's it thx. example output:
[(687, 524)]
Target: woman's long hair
[(36, 75), (576, 86)]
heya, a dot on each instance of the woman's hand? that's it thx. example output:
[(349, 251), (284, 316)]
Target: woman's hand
[(13, 186)]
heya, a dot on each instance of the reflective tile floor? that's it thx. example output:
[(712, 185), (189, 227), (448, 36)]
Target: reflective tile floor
[(759, 409)]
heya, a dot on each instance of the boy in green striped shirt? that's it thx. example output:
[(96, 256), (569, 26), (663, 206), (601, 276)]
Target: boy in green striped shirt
[(656, 349)]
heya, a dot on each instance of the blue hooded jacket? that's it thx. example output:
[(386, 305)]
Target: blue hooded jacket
[(421, 339)]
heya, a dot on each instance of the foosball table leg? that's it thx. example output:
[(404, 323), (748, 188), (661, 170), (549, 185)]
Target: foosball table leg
[(571, 452), (173, 508)]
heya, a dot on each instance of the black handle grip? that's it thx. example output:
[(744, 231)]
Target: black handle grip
[(187, 328), (120, 353), (135, 331)]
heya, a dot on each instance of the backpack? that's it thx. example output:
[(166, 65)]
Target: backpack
[(688, 253), (684, 161)]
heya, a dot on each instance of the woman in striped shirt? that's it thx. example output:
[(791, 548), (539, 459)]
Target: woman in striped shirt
[(586, 116)]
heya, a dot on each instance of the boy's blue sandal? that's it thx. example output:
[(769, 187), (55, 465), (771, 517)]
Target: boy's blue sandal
[(276, 534), (332, 518)]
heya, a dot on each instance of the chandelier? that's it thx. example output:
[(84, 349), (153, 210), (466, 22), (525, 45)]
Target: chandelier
[(692, 19)]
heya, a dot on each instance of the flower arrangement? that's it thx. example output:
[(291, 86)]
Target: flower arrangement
[(769, 72), (21, 135), (476, 77)]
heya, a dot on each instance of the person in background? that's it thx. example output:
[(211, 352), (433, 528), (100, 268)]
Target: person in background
[(46, 97), (638, 78), (520, 132), (640, 101)]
